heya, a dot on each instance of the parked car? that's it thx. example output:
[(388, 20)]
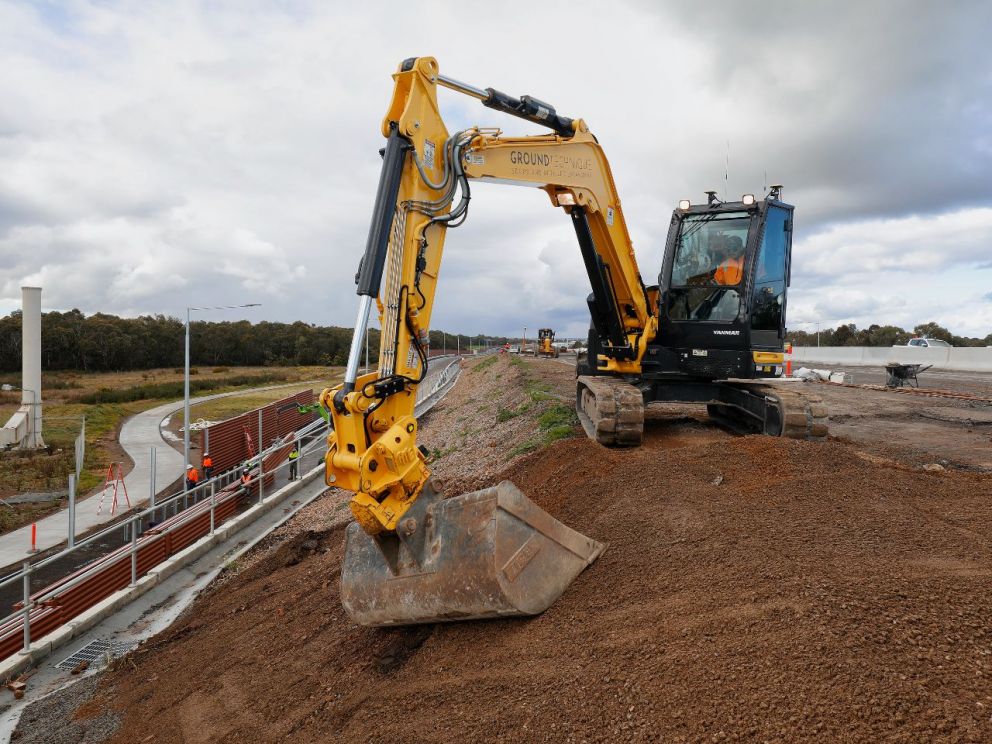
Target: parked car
[(928, 343)]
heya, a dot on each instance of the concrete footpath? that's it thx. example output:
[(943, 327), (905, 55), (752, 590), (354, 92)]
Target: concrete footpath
[(139, 434)]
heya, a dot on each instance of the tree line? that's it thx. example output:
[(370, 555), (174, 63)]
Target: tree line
[(107, 343), (880, 335)]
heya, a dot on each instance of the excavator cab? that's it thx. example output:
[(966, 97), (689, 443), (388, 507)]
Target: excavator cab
[(725, 278)]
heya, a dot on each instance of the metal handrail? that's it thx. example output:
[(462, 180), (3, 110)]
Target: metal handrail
[(446, 378), (132, 523)]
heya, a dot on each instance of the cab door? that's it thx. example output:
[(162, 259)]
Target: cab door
[(769, 287)]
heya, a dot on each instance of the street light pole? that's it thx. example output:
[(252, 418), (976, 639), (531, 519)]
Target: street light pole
[(186, 405)]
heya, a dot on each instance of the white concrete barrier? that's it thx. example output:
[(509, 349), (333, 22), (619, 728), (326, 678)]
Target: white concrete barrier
[(971, 359)]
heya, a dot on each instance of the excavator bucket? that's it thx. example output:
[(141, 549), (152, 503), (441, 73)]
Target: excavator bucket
[(489, 553)]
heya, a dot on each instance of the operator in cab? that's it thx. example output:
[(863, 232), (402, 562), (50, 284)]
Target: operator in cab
[(729, 251)]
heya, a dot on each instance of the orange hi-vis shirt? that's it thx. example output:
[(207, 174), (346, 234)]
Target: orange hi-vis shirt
[(208, 462), (193, 475), (729, 272)]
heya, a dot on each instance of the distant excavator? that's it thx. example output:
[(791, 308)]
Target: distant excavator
[(710, 332)]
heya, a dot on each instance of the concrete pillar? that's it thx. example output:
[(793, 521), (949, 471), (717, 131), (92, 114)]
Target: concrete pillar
[(31, 364)]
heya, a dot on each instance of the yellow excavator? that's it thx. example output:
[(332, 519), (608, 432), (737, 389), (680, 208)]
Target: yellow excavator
[(709, 332), (546, 344)]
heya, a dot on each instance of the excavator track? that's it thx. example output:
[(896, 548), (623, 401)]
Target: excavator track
[(611, 411), (799, 415)]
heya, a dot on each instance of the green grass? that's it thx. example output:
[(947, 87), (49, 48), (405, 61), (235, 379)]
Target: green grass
[(39, 471), (555, 422), (522, 449), (557, 416), (486, 363), (437, 453), (538, 396), (505, 414), (22, 514), (558, 422), (173, 390)]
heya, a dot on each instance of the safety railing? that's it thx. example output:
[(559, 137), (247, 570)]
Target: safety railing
[(168, 526), (441, 377), (150, 536)]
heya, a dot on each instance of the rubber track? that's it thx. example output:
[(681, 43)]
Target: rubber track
[(611, 410), (804, 414)]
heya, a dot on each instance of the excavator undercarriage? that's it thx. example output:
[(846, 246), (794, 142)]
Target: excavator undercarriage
[(611, 410)]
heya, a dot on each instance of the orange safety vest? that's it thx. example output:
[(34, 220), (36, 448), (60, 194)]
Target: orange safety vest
[(729, 272), (208, 462), (246, 479), (193, 476)]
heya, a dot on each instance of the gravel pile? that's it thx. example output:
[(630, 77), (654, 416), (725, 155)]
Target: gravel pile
[(480, 426), (52, 720)]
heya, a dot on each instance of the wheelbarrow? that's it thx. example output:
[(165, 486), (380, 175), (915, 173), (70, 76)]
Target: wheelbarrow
[(904, 375)]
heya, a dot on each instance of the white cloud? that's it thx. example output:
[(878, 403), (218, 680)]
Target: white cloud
[(156, 153), (900, 271)]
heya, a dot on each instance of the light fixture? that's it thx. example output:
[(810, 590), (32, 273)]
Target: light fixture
[(747, 200), (684, 204), (566, 198)]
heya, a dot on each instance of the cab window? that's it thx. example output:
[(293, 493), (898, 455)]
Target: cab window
[(708, 267)]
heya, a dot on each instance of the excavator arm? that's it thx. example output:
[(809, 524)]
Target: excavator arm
[(412, 556), (576, 175), (424, 188)]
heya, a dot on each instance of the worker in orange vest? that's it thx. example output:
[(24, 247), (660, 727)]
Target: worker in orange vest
[(246, 478), (730, 270), (208, 466), (192, 477)]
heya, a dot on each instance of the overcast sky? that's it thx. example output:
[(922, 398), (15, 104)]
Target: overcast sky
[(158, 155)]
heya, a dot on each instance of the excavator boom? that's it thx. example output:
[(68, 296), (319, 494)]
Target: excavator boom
[(412, 556)]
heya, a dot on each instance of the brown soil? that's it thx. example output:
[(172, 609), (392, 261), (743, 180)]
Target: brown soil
[(913, 429), (752, 589)]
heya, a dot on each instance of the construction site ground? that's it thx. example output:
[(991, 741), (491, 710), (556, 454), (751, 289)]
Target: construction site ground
[(753, 589)]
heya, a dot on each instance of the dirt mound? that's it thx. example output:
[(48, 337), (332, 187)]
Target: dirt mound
[(752, 589)]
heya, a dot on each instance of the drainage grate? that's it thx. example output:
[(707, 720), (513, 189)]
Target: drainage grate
[(100, 651)]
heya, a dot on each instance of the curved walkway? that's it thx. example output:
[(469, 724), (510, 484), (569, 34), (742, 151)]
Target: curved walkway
[(139, 434), (143, 431)]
